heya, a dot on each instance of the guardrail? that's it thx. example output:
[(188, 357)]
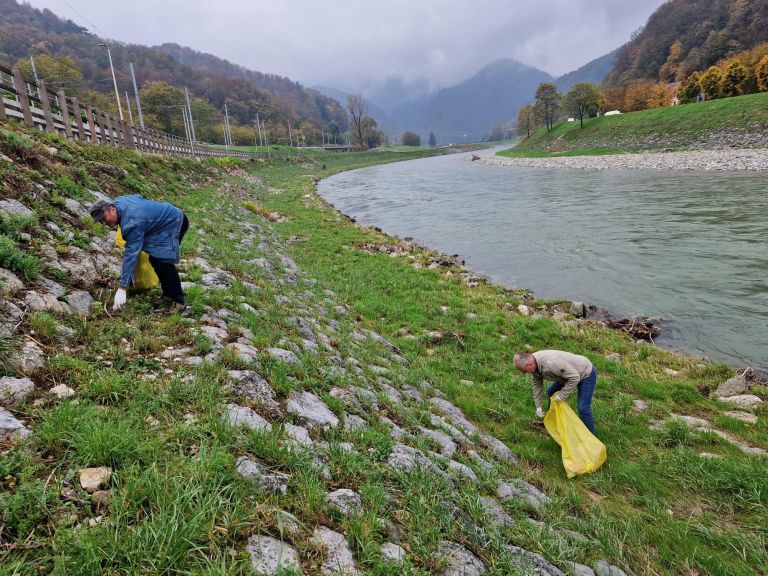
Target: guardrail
[(35, 107)]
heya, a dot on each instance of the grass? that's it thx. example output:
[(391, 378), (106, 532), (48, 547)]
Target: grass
[(683, 126), (177, 504)]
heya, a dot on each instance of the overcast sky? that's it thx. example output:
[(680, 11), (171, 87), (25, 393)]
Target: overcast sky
[(347, 41)]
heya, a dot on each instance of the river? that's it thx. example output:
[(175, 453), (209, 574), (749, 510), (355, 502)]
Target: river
[(687, 246)]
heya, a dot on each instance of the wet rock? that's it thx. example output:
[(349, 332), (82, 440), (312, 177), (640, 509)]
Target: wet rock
[(269, 555), (62, 391), (312, 409), (602, 568), (345, 501), (338, 555), (285, 356), (500, 450), (746, 401), (521, 490), (733, 386), (13, 390), (91, 479), (532, 561), (269, 483), (80, 302), (9, 283), (461, 562), (495, 512), (243, 416), (29, 359), (392, 552), (11, 427)]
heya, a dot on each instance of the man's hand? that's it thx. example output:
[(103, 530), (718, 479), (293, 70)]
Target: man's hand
[(539, 413), (120, 298), (556, 398)]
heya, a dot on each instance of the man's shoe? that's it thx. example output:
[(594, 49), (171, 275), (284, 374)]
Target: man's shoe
[(179, 308)]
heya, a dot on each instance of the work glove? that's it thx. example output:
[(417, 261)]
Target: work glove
[(120, 298), (539, 413)]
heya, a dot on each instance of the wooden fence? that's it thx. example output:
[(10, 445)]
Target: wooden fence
[(32, 104)]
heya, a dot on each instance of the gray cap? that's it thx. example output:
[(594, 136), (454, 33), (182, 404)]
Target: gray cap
[(98, 208)]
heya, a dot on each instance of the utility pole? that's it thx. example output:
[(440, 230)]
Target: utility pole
[(128, 103), (189, 110), (138, 99), (258, 125), (290, 138), (34, 69), (114, 81), (227, 133), (186, 125)]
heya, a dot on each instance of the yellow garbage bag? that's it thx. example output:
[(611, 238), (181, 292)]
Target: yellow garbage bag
[(144, 276), (582, 452)]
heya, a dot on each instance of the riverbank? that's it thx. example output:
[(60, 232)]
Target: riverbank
[(746, 159), (337, 397)]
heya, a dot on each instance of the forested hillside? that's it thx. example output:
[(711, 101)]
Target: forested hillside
[(70, 57)]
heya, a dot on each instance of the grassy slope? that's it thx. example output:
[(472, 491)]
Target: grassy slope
[(178, 506), (673, 127)]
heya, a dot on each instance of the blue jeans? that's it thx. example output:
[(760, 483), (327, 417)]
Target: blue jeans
[(585, 388)]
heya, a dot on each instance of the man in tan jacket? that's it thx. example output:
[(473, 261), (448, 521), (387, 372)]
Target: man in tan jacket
[(568, 372)]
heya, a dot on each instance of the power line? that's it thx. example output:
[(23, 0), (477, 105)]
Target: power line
[(84, 18)]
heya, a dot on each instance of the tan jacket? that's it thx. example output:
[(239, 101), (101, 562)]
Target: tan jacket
[(558, 366)]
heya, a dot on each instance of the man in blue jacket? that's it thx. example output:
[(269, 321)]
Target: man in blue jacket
[(157, 228)]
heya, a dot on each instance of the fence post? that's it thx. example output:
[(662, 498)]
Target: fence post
[(128, 133), (92, 122), (65, 113), (78, 119), (49, 125), (2, 107), (108, 122), (21, 93)]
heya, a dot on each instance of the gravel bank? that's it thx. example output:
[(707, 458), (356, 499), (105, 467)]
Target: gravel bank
[(753, 159)]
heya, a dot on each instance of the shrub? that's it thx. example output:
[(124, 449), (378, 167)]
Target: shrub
[(17, 146), (762, 74), (69, 189), (14, 259), (46, 327), (13, 225)]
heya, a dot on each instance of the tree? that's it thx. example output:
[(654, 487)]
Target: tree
[(670, 70), (660, 95), (761, 71), (547, 103), (358, 111), (432, 142), (162, 104), (711, 82), (410, 139), (735, 77), (526, 120), (582, 100), (58, 73), (637, 95), (497, 133), (690, 89)]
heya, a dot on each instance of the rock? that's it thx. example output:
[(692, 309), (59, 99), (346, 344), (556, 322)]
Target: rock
[(530, 560), (220, 280), (639, 405), (352, 422), (461, 562), (500, 450), (338, 556), (30, 359), (394, 395), (249, 385), (743, 416), (344, 500), (462, 469), (559, 315), (285, 356), (524, 310), (670, 372), (348, 398), (80, 302), (602, 568), (614, 357), (10, 316), (733, 386), (10, 427), (270, 483), (298, 434), (12, 207), (81, 266), (466, 382), (312, 409), (13, 390), (495, 512), (747, 401), (74, 207), (287, 523), (91, 479), (242, 416), (454, 414), (62, 391), (447, 445), (578, 309), (521, 490), (392, 552), (269, 555), (42, 302), (244, 352), (579, 569), (412, 393), (9, 283), (406, 459)]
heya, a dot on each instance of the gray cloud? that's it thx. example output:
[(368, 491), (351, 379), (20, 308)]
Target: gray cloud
[(352, 41)]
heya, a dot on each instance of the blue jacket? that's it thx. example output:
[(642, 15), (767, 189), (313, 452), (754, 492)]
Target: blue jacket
[(150, 226)]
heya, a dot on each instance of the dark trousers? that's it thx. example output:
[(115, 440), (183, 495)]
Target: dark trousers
[(585, 388), (167, 272)]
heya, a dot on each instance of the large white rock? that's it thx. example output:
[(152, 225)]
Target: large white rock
[(12, 207), (454, 414), (80, 302), (13, 390), (11, 427), (91, 479), (269, 555), (29, 359), (338, 555), (312, 409), (244, 416), (344, 500), (282, 355), (747, 401)]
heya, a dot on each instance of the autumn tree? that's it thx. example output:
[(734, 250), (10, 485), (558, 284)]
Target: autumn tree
[(711, 82), (58, 73), (410, 139), (526, 120), (637, 95), (670, 71), (548, 103), (660, 95), (358, 111), (690, 88), (432, 142), (583, 99), (162, 105), (735, 77), (761, 71)]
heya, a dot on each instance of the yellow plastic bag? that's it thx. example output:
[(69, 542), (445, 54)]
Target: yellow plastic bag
[(144, 276), (582, 452)]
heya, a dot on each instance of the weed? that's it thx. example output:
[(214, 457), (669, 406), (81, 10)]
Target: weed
[(16, 260)]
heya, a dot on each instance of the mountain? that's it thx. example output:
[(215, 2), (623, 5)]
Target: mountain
[(593, 72), (682, 36), (467, 111), (210, 79)]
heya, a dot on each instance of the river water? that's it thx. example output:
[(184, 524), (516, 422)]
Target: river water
[(688, 246)]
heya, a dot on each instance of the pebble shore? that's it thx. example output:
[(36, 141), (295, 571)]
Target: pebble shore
[(751, 159)]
